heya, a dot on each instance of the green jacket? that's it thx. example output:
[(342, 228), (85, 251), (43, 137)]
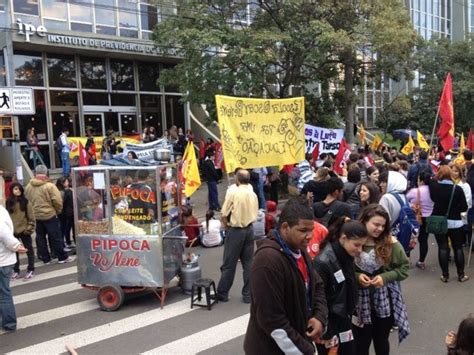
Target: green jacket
[(397, 270), (45, 198), (23, 221)]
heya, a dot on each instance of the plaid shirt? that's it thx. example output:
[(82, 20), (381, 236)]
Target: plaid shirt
[(381, 306)]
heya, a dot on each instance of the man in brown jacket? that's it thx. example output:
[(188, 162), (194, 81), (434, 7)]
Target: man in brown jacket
[(47, 204), (288, 309)]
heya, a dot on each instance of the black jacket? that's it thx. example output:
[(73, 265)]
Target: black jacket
[(68, 209), (341, 295), (209, 171), (440, 194), (279, 303), (318, 188), (470, 177)]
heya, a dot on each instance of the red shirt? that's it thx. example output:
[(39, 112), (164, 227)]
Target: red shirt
[(303, 269)]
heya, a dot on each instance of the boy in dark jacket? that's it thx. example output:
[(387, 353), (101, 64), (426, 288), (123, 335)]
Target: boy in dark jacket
[(288, 310)]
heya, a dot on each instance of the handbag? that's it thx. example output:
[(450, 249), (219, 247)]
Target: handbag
[(439, 224)]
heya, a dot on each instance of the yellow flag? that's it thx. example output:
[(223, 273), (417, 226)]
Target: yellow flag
[(408, 148), (190, 171), (362, 134), (462, 144), (376, 143), (421, 141)]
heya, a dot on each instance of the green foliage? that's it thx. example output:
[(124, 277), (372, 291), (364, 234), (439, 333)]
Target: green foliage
[(289, 44), (397, 114), (437, 58)]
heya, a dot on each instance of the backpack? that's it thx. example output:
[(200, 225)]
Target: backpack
[(59, 144), (406, 227)]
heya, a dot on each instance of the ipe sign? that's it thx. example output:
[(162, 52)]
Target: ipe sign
[(29, 29)]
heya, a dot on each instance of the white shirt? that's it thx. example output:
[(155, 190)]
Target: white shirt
[(212, 237), (8, 243)]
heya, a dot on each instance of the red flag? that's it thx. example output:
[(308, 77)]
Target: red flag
[(219, 157), (288, 168), (202, 148), (470, 141), (315, 154), (341, 157), (446, 115), (83, 156)]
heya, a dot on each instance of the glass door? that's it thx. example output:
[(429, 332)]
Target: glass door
[(128, 124), (95, 122)]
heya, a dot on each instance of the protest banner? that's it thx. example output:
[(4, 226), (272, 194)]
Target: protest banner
[(261, 132), (75, 141), (328, 139)]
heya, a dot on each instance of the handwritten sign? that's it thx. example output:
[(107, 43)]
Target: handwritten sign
[(261, 132), (329, 139)]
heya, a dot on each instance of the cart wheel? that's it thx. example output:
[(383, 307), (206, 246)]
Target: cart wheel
[(110, 297)]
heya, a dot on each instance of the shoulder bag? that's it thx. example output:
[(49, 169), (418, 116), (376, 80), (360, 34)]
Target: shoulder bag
[(439, 224)]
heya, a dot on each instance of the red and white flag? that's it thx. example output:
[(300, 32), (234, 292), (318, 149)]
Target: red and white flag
[(219, 157), (83, 156), (341, 157)]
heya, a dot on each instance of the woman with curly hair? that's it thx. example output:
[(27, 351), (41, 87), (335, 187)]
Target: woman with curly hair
[(380, 267)]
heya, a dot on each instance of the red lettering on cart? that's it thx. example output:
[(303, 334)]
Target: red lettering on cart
[(104, 264), (123, 244), (135, 194)]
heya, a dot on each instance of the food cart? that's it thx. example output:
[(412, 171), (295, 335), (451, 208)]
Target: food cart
[(128, 233)]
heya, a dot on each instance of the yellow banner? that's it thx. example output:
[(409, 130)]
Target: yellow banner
[(190, 170), (421, 141), (408, 148), (362, 135), (74, 144), (261, 132), (377, 142), (462, 144)]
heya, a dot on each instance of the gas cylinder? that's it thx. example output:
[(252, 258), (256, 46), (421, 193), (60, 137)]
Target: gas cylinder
[(190, 272)]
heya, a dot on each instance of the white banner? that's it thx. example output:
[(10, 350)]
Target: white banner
[(328, 139), (145, 151)]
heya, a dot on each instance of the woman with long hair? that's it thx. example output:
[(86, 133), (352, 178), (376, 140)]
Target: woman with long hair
[(462, 342), (23, 218), (419, 197), (449, 199), (373, 174), (212, 231), (335, 265), (369, 193), (66, 217), (459, 178), (381, 266)]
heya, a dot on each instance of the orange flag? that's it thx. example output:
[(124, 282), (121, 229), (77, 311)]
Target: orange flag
[(470, 141), (446, 115)]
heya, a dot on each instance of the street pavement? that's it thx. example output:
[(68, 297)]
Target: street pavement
[(53, 310)]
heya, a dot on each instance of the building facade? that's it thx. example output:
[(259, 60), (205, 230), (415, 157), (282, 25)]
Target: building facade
[(92, 65)]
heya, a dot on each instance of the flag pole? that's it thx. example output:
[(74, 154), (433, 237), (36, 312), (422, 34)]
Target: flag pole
[(434, 128)]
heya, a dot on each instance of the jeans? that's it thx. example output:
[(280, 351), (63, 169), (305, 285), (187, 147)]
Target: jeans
[(66, 227), (66, 165), (261, 195), (53, 229), (423, 240), (238, 243), (378, 331), (468, 226), (212, 195), (457, 238), (28, 244), (7, 308)]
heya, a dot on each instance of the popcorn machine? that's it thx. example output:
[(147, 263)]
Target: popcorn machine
[(128, 233)]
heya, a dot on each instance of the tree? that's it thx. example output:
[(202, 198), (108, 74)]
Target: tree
[(287, 45), (396, 114), (437, 58)]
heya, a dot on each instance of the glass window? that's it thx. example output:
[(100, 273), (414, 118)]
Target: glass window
[(54, 9), (148, 75), (127, 14), (122, 75), (174, 111), (29, 7), (128, 33), (170, 88), (61, 71), (2, 5), (93, 73), (105, 12), (81, 27), (95, 99), (66, 119), (55, 25), (28, 68), (63, 98), (105, 30), (151, 112), (3, 72), (122, 99), (149, 17), (80, 10)]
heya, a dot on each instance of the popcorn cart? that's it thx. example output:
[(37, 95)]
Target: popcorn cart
[(128, 234)]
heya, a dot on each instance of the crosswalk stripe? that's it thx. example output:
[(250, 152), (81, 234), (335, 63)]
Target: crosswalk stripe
[(52, 291), (45, 276), (202, 340), (56, 313), (109, 330)]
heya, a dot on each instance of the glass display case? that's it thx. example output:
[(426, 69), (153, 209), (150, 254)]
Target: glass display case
[(127, 223)]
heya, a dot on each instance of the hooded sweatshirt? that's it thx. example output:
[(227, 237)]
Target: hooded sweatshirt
[(396, 184), (8, 243), (44, 197)]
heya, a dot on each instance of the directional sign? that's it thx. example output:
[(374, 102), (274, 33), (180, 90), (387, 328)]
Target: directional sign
[(16, 101)]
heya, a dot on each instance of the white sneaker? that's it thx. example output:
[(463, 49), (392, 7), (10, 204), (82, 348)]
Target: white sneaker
[(67, 249), (69, 259)]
